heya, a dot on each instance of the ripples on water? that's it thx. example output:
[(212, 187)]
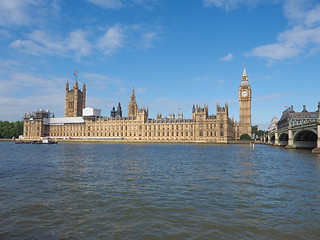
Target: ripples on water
[(158, 191)]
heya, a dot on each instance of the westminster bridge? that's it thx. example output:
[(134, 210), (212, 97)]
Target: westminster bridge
[(304, 135)]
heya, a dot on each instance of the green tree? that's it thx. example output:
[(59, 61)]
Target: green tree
[(245, 137), (260, 133), (254, 129), (18, 128), (11, 129)]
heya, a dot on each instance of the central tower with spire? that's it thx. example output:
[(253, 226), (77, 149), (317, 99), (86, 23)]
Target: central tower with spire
[(244, 105), (133, 106)]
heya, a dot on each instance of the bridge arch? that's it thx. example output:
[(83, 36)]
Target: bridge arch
[(283, 139), (305, 138), (272, 139)]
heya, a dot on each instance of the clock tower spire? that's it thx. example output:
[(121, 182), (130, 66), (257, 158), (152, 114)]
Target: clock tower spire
[(244, 105)]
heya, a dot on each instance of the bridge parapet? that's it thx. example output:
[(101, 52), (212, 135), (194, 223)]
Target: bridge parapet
[(312, 124)]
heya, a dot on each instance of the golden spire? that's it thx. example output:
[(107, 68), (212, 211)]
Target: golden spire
[(133, 97), (244, 70)]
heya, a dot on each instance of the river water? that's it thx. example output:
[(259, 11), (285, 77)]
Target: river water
[(158, 191)]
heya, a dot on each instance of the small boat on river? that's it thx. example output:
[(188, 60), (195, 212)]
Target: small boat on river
[(46, 141), (41, 141)]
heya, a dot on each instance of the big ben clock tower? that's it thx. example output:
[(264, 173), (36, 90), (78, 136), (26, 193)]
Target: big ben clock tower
[(244, 105)]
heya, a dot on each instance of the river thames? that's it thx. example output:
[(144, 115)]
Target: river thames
[(158, 191)]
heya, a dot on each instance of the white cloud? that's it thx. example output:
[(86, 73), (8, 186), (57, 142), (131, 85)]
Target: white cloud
[(107, 4), (294, 10), (77, 42), (303, 38), (222, 3), (112, 40), (227, 58), (118, 4), (28, 47), (277, 51), (148, 38), (230, 4), (7, 64), (27, 12), (80, 43), (313, 17), (143, 36), (40, 43), (14, 12)]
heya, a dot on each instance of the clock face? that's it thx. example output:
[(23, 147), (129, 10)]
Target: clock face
[(244, 93)]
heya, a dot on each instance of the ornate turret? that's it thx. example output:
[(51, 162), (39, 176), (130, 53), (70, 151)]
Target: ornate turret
[(119, 111), (84, 87), (76, 85), (113, 112), (133, 106), (142, 114)]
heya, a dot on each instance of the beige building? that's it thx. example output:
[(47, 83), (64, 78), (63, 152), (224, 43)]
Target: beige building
[(137, 126)]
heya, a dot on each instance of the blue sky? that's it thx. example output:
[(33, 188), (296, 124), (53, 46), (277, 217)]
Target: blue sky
[(175, 52)]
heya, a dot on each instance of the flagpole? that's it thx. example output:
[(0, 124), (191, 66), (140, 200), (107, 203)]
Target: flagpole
[(76, 74)]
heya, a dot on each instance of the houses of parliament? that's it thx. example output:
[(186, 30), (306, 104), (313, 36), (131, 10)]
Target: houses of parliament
[(84, 123)]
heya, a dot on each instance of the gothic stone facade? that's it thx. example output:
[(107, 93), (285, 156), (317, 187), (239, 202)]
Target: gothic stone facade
[(244, 105), (137, 126), (201, 128)]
